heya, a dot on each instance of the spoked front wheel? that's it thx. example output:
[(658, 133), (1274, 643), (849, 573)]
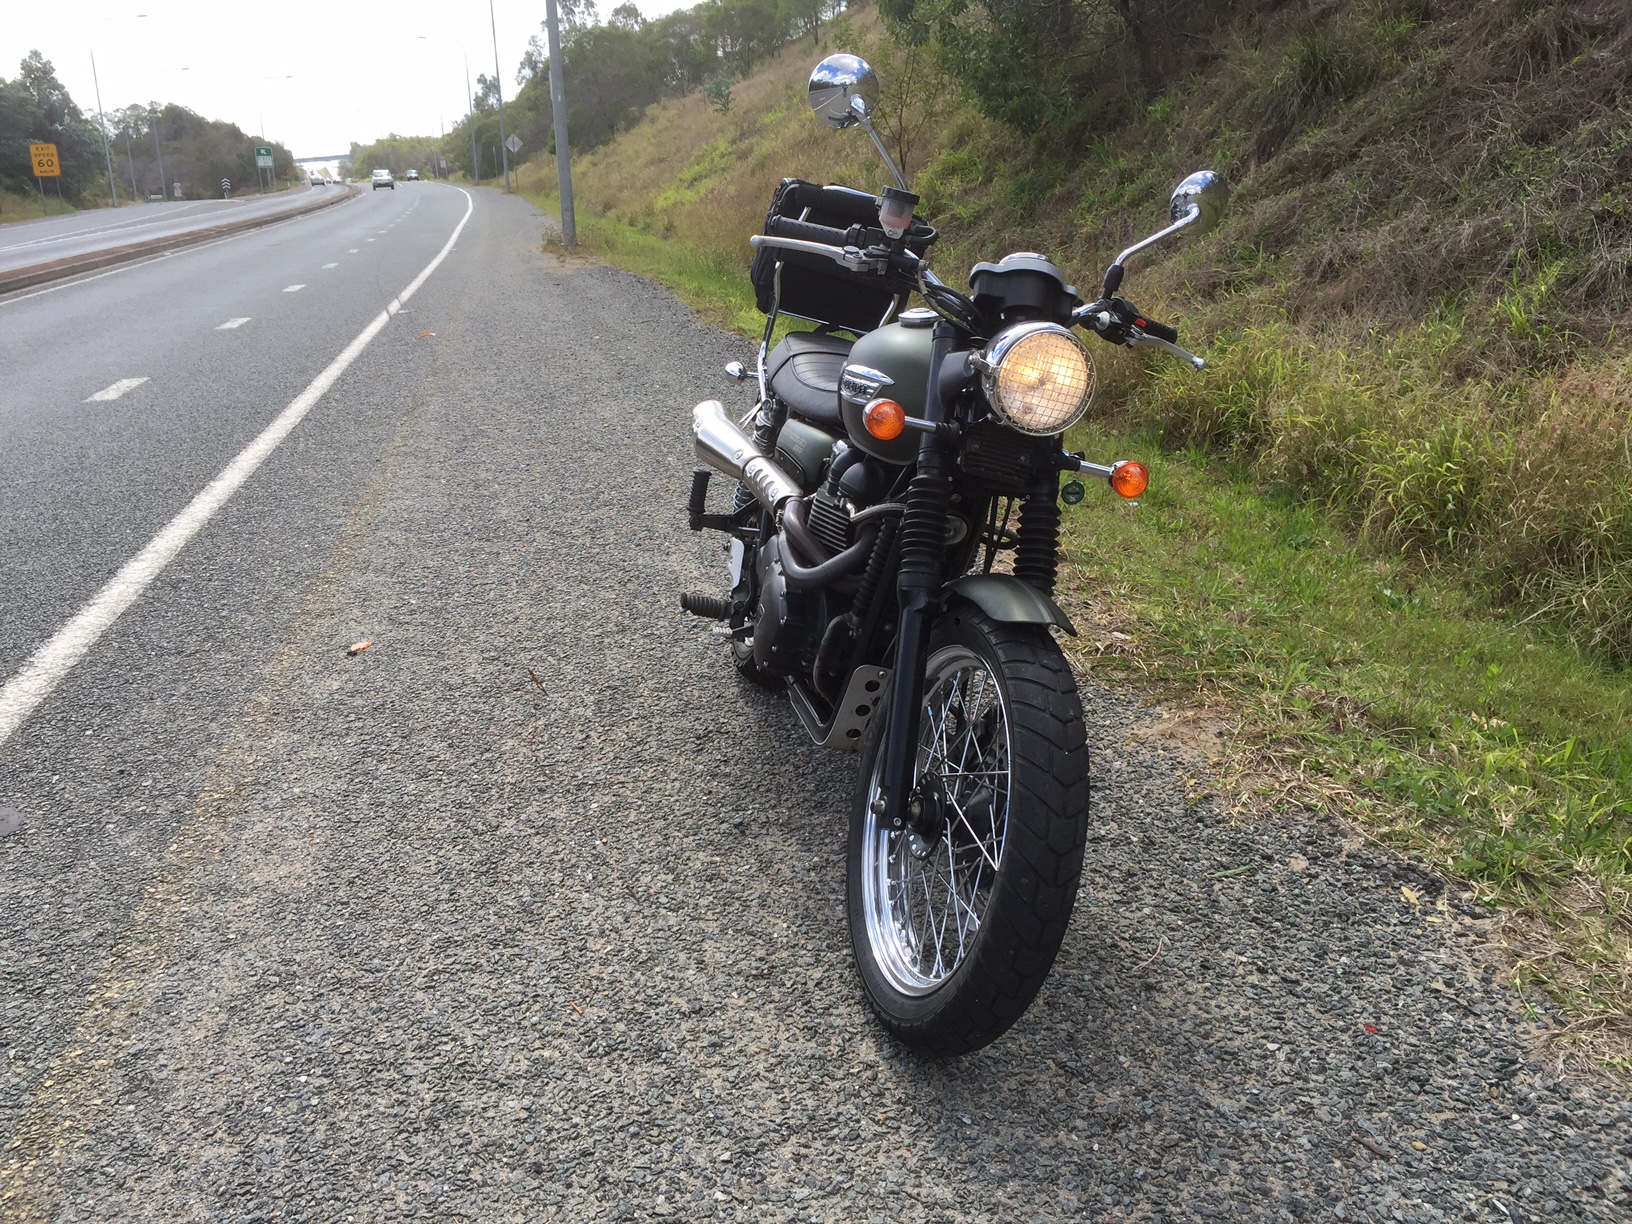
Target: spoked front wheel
[(956, 922)]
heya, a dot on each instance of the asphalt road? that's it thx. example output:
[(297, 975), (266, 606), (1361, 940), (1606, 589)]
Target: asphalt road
[(531, 911), (41, 240)]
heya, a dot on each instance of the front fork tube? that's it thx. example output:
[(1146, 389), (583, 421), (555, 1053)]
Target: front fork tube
[(918, 584)]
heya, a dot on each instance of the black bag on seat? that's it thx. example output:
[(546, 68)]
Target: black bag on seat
[(813, 286)]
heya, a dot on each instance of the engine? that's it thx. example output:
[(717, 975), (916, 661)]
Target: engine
[(808, 572)]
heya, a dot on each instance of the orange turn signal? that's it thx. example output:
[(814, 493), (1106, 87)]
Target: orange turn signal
[(1129, 478), (885, 419)]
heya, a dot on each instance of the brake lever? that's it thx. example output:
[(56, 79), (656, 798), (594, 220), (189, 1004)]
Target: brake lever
[(850, 257), (1137, 337)]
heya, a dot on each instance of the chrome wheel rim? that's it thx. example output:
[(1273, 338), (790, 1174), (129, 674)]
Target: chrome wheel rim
[(925, 899)]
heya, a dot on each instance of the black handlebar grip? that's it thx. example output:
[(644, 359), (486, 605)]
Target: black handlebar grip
[(1161, 331), (786, 227)]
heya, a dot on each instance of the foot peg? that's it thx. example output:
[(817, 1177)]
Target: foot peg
[(709, 607)]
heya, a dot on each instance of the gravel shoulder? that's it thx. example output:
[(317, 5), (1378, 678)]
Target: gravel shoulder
[(532, 911)]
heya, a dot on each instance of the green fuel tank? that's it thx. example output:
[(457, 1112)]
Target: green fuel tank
[(900, 352)]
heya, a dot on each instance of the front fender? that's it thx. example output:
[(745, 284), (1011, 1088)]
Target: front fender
[(1006, 599)]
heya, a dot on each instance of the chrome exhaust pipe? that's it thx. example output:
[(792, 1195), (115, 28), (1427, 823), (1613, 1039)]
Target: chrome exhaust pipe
[(725, 448)]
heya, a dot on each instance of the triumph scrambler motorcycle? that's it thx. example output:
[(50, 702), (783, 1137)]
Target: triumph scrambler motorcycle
[(893, 539)]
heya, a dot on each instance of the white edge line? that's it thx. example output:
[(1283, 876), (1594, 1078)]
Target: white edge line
[(47, 666)]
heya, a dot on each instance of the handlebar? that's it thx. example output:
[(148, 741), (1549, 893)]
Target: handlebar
[(808, 231), (1119, 321), (1159, 331), (1115, 319)]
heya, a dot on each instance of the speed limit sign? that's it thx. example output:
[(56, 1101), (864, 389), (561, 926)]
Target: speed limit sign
[(46, 164)]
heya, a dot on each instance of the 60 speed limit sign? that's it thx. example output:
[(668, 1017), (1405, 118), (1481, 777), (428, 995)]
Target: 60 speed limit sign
[(46, 164)]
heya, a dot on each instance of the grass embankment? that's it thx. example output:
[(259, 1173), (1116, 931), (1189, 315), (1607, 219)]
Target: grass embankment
[(18, 207), (1391, 530)]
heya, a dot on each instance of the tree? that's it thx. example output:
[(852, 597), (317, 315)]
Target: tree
[(805, 17), (744, 32), (535, 61), (37, 109), (577, 14)]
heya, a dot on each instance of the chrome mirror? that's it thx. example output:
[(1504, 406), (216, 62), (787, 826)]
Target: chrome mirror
[(1197, 206), (843, 91), (1207, 194)]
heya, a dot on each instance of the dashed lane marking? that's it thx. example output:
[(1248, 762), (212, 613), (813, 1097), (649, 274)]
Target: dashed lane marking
[(114, 391), (333, 265), (232, 323), (294, 288), (46, 667)]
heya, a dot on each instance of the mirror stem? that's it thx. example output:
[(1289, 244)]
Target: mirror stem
[(884, 152), (1189, 218)]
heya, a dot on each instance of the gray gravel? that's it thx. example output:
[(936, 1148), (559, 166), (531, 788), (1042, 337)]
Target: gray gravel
[(532, 911)]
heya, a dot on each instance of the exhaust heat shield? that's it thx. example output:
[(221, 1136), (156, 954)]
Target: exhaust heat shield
[(725, 448)]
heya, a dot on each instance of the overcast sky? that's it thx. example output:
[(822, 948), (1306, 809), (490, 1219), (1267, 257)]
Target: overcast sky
[(322, 74)]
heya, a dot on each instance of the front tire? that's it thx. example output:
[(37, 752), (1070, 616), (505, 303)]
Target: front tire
[(954, 936)]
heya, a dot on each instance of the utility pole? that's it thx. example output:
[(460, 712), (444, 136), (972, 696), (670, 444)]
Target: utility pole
[(130, 163), (470, 114), (558, 106), (164, 188), (499, 86), (102, 125)]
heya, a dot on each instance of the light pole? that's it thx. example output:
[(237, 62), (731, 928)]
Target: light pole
[(470, 110), (498, 85), (153, 118), (260, 123), (102, 126)]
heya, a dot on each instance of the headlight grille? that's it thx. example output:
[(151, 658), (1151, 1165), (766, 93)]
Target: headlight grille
[(1039, 378)]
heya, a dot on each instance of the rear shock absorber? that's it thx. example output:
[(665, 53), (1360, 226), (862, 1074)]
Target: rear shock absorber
[(1037, 555)]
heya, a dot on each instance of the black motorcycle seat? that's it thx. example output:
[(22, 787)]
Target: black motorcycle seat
[(803, 372)]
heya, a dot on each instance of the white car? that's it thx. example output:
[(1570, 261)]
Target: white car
[(382, 178)]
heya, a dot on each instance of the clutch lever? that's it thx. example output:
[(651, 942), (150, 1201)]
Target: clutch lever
[(1137, 337)]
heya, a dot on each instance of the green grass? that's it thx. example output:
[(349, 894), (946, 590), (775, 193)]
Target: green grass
[(1500, 754), (15, 206), (1358, 680), (710, 281)]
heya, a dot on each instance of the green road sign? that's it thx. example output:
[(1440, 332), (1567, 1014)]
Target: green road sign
[(263, 150)]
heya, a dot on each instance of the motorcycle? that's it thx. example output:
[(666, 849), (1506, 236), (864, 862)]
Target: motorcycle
[(875, 576)]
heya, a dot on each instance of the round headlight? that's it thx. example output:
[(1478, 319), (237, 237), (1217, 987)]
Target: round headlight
[(1038, 378)]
